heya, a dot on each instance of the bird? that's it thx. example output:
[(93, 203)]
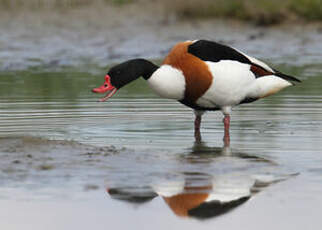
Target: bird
[(203, 75)]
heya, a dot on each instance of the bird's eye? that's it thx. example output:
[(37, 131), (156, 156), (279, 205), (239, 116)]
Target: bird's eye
[(105, 85)]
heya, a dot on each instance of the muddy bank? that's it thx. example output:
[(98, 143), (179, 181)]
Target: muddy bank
[(90, 39), (31, 164)]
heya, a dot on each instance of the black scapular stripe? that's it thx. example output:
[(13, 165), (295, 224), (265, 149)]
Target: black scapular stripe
[(215, 208), (215, 52)]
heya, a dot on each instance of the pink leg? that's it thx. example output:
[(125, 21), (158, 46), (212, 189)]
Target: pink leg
[(227, 136), (197, 128)]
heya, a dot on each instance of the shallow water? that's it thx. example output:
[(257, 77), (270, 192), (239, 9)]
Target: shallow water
[(70, 160)]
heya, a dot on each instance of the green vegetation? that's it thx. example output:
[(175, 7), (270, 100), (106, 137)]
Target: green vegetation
[(262, 12), (309, 9), (22, 4)]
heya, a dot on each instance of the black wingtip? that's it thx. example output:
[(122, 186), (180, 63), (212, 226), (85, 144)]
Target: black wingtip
[(287, 77)]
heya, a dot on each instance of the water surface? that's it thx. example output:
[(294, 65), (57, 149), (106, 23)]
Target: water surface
[(70, 160)]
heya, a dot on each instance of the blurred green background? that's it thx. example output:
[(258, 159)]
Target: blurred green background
[(261, 12)]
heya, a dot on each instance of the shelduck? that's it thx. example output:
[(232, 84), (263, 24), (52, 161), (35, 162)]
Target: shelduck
[(203, 75)]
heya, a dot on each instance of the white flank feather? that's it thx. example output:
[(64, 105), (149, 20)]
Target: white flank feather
[(266, 86), (231, 81)]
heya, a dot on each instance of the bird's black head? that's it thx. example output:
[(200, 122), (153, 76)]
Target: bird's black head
[(124, 73)]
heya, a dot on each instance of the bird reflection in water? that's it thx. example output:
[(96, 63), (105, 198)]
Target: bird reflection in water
[(200, 202), (199, 194)]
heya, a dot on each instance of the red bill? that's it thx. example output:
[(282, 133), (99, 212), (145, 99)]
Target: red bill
[(107, 87)]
